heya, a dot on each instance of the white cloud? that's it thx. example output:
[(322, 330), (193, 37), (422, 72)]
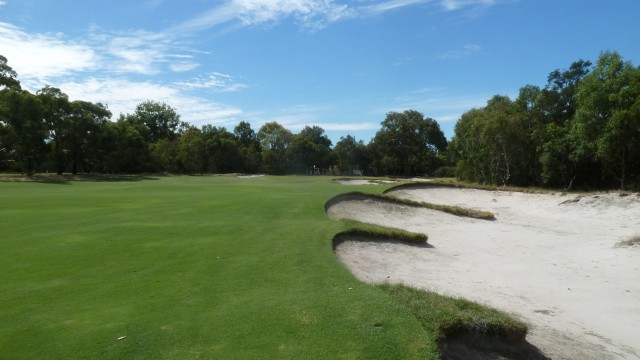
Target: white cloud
[(217, 81), (348, 126), (462, 53), (183, 66), (446, 5), (44, 55), (392, 5), (310, 14), (140, 52), (451, 5), (122, 96)]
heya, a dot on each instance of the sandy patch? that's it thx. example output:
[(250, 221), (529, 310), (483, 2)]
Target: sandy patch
[(249, 176), (550, 259), (366, 182)]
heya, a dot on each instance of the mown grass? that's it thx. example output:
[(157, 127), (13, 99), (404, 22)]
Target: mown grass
[(182, 267), (445, 317)]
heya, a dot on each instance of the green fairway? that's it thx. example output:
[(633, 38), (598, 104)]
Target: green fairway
[(217, 267), (186, 267)]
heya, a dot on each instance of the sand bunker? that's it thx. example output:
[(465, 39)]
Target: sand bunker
[(350, 181), (549, 259), (366, 182)]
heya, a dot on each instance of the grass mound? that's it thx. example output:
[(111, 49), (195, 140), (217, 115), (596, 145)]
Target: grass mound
[(454, 210), (371, 232), (463, 329)]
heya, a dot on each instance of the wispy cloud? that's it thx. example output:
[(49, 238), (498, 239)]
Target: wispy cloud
[(443, 5), (452, 5), (140, 52), (462, 53), (310, 14), (43, 57), (122, 96), (217, 81), (385, 6)]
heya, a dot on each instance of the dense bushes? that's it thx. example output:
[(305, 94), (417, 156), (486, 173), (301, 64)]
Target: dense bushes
[(582, 129)]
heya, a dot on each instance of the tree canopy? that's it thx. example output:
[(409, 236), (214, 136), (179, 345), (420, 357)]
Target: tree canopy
[(580, 130)]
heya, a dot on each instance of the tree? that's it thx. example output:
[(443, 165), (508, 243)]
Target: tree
[(22, 130), (83, 138), (249, 148), (191, 151), (274, 140), (57, 110), (491, 143), (131, 150), (310, 148), (221, 148), (8, 77), (607, 122), (160, 121), (557, 105), (164, 154), (351, 155), (408, 144)]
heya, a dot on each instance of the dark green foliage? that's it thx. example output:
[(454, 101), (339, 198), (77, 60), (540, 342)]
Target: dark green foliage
[(8, 76), (249, 148), (309, 149), (408, 144), (351, 155), (274, 140), (582, 129), (22, 131)]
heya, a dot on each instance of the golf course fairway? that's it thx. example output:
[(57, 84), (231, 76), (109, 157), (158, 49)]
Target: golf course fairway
[(186, 267)]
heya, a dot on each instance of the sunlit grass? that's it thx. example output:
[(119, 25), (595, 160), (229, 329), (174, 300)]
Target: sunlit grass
[(188, 267)]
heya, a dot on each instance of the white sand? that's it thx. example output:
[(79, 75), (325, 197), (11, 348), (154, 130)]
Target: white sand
[(366, 182), (553, 264)]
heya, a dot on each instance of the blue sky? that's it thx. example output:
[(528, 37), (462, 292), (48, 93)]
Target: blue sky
[(338, 64)]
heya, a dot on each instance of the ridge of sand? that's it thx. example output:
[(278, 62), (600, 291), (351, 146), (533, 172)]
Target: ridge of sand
[(550, 259)]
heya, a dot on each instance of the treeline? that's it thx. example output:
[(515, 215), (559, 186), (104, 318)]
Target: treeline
[(581, 130), (46, 131)]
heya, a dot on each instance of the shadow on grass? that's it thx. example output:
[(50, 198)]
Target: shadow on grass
[(475, 345), (67, 179), (465, 329)]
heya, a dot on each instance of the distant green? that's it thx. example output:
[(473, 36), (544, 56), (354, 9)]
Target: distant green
[(181, 267)]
